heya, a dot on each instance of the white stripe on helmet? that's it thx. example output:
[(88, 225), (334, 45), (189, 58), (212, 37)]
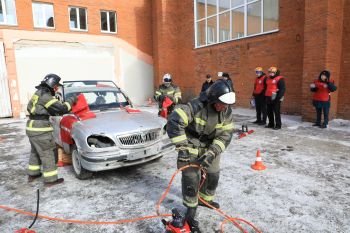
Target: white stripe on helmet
[(228, 98)]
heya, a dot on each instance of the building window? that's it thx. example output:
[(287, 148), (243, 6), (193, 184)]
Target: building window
[(77, 19), (223, 20), (8, 12), (43, 15), (108, 21)]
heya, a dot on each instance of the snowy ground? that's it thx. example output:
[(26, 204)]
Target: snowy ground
[(306, 187)]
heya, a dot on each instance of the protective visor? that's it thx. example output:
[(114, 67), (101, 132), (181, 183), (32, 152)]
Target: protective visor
[(228, 98)]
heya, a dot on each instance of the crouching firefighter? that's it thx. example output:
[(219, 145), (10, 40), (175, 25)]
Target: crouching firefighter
[(43, 153), (201, 131), (167, 90)]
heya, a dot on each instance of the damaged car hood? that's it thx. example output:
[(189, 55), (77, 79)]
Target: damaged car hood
[(119, 122)]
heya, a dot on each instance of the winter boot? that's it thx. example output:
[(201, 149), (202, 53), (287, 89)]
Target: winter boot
[(194, 224), (212, 203), (58, 181), (32, 178)]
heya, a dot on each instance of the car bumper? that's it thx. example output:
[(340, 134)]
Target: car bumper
[(102, 161)]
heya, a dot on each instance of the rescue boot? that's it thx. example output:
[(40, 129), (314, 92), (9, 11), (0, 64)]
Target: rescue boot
[(212, 203), (190, 215), (32, 178), (49, 184)]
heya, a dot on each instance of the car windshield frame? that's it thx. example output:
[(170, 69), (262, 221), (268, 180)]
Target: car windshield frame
[(100, 106)]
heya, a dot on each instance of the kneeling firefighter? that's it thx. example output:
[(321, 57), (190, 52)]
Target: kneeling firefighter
[(201, 131), (42, 105)]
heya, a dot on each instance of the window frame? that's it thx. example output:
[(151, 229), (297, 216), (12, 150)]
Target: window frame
[(78, 18), (217, 15), (5, 14), (108, 23), (53, 15)]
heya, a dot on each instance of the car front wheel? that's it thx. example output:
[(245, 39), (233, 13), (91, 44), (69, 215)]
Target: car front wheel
[(80, 172)]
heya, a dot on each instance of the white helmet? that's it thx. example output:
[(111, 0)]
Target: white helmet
[(167, 78)]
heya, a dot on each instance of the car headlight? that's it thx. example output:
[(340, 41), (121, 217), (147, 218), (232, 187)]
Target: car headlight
[(99, 141)]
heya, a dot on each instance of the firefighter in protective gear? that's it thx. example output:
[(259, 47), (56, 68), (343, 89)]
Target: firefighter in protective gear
[(42, 105), (259, 96), (322, 87), (167, 89), (201, 131), (274, 93)]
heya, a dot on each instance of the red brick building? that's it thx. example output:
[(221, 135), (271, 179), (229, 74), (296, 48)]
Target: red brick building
[(311, 36), (187, 38)]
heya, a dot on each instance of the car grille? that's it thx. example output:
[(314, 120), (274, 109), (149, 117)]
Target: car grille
[(139, 139)]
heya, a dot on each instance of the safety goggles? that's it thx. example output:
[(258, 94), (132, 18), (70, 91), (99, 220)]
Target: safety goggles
[(258, 73), (167, 80)]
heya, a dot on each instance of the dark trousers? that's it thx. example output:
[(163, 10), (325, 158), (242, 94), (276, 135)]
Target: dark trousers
[(273, 113), (260, 106), (325, 110), (191, 180)]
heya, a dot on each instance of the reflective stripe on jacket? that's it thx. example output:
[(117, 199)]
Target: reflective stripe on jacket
[(44, 104), (173, 92), (198, 125)]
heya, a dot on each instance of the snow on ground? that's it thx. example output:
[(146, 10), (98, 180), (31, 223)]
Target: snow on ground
[(305, 188)]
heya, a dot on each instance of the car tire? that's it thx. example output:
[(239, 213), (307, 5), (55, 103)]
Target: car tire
[(80, 172)]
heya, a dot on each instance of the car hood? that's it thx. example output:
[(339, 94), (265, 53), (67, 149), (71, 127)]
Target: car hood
[(119, 122)]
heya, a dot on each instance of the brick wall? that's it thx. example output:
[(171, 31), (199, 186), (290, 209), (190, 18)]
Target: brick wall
[(344, 82), (134, 19), (283, 49), (311, 37)]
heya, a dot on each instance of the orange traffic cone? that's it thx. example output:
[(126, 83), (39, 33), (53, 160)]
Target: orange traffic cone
[(258, 165), (63, 158)]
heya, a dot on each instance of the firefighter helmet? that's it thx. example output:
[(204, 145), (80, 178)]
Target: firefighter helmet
[(221, 92), (273, 69), (167, 78), (259, 69), (51, 80)]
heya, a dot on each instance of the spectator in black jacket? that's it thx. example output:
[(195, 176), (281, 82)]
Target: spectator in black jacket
[(207, 83), (226, 77)]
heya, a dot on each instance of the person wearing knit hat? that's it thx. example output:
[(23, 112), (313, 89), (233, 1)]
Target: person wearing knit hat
[(322, 87)]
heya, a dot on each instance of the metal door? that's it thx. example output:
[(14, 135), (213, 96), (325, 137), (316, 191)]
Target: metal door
[(5, 102)]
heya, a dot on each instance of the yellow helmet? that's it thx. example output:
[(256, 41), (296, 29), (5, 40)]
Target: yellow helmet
[(273, 69), (259, 68)]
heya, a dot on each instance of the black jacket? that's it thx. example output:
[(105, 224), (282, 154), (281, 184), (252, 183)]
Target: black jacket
[(206, 85)]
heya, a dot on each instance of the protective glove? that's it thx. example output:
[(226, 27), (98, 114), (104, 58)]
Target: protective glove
[(73, 99), (206, 159), (312, 85), (183, 158), (161, 98)]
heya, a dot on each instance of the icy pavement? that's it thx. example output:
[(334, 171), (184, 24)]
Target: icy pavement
[(305, 188)]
